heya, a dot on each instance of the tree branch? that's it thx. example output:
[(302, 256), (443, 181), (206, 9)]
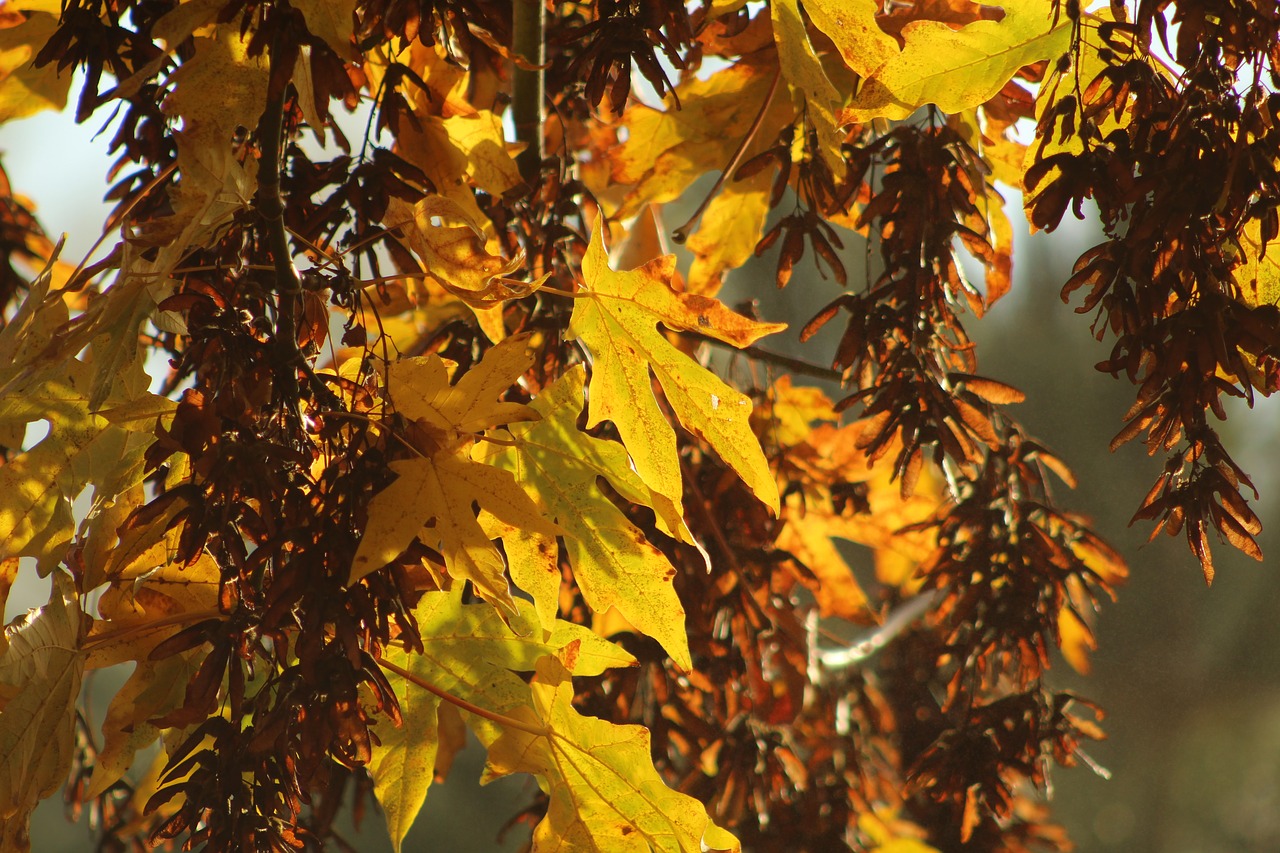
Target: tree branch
[(795, 365), (528, 87), (270, 206), (681, 234)]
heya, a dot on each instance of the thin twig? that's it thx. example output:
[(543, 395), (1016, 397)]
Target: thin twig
[(682, 233), (877, 638), (795, 365), (492, 716)]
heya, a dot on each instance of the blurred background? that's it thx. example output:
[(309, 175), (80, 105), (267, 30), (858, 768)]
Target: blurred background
[(1189, 676)]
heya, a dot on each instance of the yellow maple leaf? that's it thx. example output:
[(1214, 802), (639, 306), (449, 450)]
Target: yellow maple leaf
[(616, 316), (728, 232), (614, 565), (451, 246), (145, 605), (432, 496), (457, 151), (154, 689), (817, 455), (334, 22), (604, 791), (80, 448), (667, 150), (811, 89), (473, 655), (955, 69), (793, 411), (1258, 274), (40, 676), (25, 90)]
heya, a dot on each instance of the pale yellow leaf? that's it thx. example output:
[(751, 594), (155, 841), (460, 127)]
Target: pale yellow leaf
[(40, 677), (604, 791), (811, 90), (25, 90), (334, 22), (616, 316), (613, 564)]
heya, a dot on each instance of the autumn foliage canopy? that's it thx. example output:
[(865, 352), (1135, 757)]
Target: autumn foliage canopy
[(383, 412)]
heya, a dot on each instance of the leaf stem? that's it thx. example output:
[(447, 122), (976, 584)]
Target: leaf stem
[(568, 294), (189, 617), (491, 716), (795, 365), (682, 233)]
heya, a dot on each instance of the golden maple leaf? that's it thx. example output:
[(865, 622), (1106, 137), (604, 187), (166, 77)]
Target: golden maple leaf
[(616, 316), (432, 496)]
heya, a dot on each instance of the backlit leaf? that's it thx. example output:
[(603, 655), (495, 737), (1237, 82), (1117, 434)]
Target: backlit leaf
[(40, 676), (612, 562), (954, 69), (616, 316), (667, 150), (605, 793), (811, 89), (25, 90), (473, 655), (452, 249), (432, 496)]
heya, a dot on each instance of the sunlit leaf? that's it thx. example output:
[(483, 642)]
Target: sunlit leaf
[(812, 91), (616, 317), (605, 794), (40, 676), (473, 655), (25, 90), (612, 562), (953, 69), (432, 496)]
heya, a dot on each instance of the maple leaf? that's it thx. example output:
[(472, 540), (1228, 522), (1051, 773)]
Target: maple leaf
[(811, 89), (604, 792), (80, 449), (452, 248), (433, 493), (728, 232), (817, 455), (41, 380), (146, 603), (217, 91), (473, 655), (458, 151), (447, 82), (40, 676), (334, 22), (24, 89), (612, 562), (1258, 273), (667, 150), (154, 689), (615, 316), (954, 69)]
